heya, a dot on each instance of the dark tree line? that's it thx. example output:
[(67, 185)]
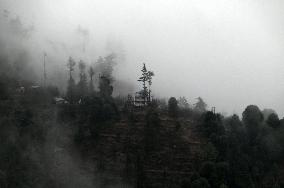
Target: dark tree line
[(239, 152), (85, 86), (243, 152)]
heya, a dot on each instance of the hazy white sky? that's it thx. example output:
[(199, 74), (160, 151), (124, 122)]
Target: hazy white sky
[(230, 52)]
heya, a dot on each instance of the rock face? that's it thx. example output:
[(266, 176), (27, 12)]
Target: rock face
[(140, 155)]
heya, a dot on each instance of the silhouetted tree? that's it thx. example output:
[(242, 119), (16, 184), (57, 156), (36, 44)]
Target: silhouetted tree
[(109, 62), (234, 123), (144, 79), (173, 107), (91, 74), (252, 118), (266, 112), (150, 74), (82, 84), (104, 66), (105, 87), (236, 137), (212, 124), (71, 83), (182, 103), (200, 106), (273, 120), (70, 65)]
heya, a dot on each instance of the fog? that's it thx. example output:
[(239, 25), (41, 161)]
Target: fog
[(229, 52)]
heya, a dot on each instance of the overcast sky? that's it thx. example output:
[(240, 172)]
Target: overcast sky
[(229, 52)]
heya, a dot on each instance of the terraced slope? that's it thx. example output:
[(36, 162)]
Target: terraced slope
[(126, 152)]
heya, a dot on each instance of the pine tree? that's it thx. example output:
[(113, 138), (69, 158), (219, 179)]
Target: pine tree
[(150, 74), (71, 63), (105, 87), (173, 107), (182, 103), (82, 85), (71, 83), (200, 106), (144, 79), (91, 74)]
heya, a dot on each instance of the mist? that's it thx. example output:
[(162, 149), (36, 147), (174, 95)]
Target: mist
[(129, 93), (228, 52)]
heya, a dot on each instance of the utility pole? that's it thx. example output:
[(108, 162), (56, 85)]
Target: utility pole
[(44, 70)]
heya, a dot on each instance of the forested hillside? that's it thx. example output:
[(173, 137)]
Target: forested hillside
[(85, 137)]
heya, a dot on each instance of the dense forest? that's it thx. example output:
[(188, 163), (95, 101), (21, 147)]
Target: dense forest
[(83, 136)]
